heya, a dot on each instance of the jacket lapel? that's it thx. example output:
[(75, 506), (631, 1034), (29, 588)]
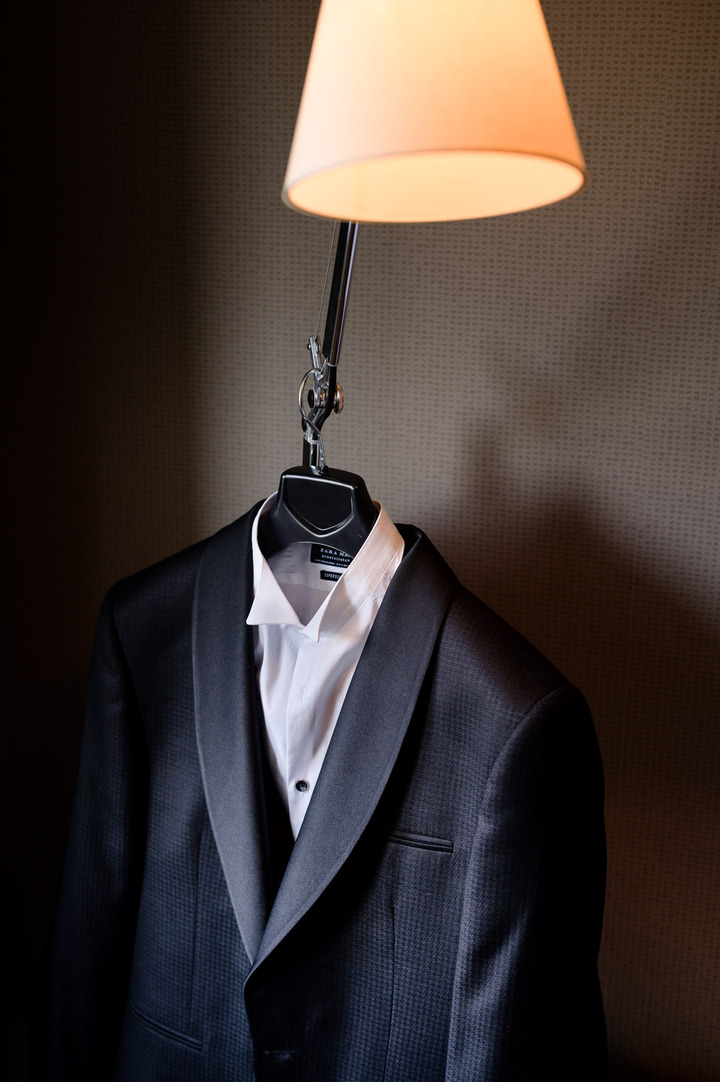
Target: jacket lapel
[(226, 724), (369, 733)]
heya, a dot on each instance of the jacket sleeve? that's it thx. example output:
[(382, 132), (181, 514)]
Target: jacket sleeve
[(94, 924), (526, 1002)]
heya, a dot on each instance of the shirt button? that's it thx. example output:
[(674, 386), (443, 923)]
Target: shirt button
[(301, 786)]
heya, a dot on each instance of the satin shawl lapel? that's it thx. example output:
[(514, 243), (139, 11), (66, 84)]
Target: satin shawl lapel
[(370, 730), (226, 724)]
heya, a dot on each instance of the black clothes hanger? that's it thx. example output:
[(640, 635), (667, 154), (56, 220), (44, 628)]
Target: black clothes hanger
[(333, 509), (314, 503)]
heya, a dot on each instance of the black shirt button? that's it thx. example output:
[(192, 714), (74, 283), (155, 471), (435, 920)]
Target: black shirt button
[(302, 786)]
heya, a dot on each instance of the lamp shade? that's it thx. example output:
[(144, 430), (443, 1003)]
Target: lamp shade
[(429, 110)]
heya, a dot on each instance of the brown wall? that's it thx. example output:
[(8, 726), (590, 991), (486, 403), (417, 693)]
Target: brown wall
[(539, 392)]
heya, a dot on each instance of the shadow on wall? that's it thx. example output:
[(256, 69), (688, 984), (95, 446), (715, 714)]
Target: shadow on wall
[(101, 281), (623, 1072), (647, 661)]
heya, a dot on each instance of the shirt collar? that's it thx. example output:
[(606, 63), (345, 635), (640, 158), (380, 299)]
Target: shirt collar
[(366, 576)]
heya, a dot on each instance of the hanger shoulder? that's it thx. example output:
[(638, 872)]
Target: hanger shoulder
[(333, 508)]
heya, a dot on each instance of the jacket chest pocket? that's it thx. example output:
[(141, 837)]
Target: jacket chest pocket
[(421, 841)]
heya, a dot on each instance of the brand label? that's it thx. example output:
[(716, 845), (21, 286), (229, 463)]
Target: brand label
[(323, 554)]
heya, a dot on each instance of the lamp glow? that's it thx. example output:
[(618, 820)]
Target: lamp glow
[(431, 110)]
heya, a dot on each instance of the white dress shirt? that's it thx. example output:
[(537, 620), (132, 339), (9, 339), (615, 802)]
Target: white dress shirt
[(312, 614)]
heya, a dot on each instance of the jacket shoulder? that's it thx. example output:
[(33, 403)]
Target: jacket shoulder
[(492, 690), (491, 661), (479, 656), (165, 590)]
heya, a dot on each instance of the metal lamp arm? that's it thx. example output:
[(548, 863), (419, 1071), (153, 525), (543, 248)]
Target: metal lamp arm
[(318, 402)]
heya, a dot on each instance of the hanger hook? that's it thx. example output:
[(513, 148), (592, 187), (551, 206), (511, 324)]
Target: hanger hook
[(317, 402), (314, 397)]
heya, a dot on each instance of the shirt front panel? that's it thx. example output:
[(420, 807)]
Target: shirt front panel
[(311, 618)]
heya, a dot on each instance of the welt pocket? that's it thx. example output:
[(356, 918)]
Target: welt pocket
[(420, 841), (164, 1031)]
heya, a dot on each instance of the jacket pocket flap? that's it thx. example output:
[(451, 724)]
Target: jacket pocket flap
[(420, 841)]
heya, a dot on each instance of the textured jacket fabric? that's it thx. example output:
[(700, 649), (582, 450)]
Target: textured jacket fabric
[(440, 913)]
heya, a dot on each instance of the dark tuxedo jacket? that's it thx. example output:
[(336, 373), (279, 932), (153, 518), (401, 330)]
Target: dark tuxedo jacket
[(440, 913)]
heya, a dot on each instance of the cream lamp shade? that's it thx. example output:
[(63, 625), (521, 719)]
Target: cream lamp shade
[(431, 110)]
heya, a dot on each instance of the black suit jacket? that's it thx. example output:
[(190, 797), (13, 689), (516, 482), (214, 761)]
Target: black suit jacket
[(440, 914)]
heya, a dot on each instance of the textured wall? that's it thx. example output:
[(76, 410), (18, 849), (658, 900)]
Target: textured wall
[(538, 392)]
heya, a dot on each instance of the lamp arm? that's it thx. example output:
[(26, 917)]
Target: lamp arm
[(327, 395), (339, 291)]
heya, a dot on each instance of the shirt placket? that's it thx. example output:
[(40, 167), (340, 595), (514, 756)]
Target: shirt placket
[(299, 721)]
